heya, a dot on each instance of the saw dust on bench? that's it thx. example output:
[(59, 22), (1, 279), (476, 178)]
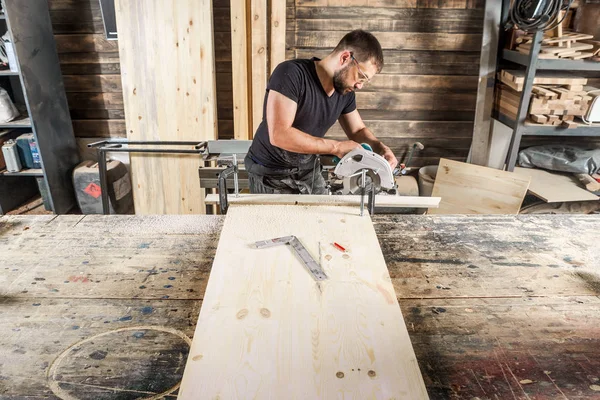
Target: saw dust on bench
[(267, 329)]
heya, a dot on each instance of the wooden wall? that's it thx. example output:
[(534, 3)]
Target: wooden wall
[(426, 91), (91, 70)]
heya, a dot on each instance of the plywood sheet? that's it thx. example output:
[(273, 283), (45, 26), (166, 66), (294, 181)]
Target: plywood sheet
[(167, 70), (267, 330), (337, 200), (554, 188), (472, 189)]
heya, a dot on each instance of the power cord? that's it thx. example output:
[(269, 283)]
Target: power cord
[(535, 15)]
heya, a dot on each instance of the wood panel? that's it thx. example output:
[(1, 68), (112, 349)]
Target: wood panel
[(388, 19), (472, 189), (397, 40), (411, 62), (93, 83), (241, 78), (259, 56), (326, 200), (306, 340), (555, 187), (91, 68), (277, 33), (173, 100)]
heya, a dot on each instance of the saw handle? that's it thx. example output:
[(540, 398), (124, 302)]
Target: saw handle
[(365, 146)]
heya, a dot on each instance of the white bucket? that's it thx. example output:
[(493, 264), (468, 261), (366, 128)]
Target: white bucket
[(426, 179)]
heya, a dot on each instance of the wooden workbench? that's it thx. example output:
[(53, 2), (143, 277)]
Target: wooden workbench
[(102, 307)]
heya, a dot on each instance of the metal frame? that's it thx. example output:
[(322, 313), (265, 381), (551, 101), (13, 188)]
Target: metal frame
[(533, 63), (40, 78), (122, 146)]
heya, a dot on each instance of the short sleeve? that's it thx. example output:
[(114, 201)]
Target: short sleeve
[(287, 80), (350, 104)]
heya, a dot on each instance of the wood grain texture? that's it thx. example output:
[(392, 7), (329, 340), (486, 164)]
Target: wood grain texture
[(266, 338), (337, 200), (472, 189), (172, 100), (485, 276), (259, 56), (277, 33), (241, 78), (397, 40), (555, 187)]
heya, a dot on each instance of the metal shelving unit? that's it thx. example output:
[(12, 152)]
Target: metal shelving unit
[(38, 91), (532, 63)]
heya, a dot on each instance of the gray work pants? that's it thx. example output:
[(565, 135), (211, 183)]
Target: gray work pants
[(285, 181)]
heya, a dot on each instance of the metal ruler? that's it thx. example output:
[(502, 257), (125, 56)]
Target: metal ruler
[(309, 263)]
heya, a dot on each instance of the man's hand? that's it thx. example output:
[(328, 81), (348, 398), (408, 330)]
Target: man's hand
[(390, 157), (344, 147)]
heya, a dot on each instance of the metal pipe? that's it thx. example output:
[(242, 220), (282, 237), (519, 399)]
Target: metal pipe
[(236, 186), (362, 196), (103, 183)]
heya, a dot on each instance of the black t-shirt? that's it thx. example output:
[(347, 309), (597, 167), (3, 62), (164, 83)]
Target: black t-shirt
[(316, 112)]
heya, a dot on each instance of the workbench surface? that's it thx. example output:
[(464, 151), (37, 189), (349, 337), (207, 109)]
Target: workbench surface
[(103, 307)]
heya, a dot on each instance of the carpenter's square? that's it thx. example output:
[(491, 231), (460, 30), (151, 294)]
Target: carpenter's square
[(309, 263)]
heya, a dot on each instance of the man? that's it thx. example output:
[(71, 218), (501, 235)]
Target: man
[(304, 98)]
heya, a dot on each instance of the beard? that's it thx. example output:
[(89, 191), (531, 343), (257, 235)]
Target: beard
[(339, 81)]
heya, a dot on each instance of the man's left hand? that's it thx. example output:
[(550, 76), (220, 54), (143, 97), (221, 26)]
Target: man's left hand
[(390, 157)]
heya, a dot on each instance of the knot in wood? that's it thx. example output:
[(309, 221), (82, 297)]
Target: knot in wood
[(242, 313)]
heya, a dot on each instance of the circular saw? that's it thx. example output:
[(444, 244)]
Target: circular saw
[(379, 174)]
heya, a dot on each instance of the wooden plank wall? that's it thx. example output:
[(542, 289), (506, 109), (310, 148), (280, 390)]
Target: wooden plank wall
[(91, 70), (427, 89)]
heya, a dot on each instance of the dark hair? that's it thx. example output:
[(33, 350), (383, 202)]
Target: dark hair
[(364, 47)]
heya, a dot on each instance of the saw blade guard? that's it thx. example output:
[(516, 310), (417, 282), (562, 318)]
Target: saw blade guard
[(357, 160)]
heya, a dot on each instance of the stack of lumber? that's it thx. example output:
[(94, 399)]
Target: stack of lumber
[(555, 99), (570, 45)]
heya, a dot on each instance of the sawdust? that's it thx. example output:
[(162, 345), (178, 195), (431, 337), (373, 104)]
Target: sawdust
[(156, 224)]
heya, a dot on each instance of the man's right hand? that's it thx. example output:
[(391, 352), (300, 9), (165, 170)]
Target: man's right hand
[(344, 147)]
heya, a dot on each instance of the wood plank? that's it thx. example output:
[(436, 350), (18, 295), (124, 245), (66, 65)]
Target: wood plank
[(294, 339), (78, 113), (397, 40), (415, 101), (388, 19), (446, 4), (337, 200), (241, 83), (259, 57), (172, 100), (99, 128), (473, 189), (413, 129), (415, 62), (92, 83), (417, 115), (95, 101), (423, 83), (482, 131), (84, 43), (277, 33), (554, 187), (89, 63)]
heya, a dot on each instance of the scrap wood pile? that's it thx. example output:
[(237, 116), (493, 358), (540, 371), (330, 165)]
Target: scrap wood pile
[(556, 98), (570, 45)]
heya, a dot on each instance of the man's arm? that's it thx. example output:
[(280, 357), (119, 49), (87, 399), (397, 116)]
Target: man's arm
[(355, 129), (281, 112)]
